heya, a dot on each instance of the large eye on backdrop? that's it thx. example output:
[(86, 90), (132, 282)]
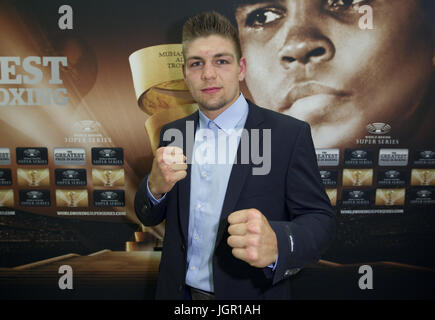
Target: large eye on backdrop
[(341, 5), (262, 16)]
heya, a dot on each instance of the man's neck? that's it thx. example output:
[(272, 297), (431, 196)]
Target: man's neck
[(213, 114)]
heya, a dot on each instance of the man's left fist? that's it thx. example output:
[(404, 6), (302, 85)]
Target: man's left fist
[(252, 238)]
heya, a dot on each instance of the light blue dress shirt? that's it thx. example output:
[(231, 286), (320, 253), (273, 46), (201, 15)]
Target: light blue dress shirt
[(214, 150)]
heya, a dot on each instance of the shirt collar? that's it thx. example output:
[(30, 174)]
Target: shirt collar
[(228, 119)]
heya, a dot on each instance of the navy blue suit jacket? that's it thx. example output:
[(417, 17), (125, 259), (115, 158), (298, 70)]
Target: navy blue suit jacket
[(291, 197)]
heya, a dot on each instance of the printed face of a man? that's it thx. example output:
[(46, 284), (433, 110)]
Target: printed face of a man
[(311, 60), (213, 72)]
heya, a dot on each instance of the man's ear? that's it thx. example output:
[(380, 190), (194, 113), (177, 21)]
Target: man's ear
[(242, 66), (184, 71)]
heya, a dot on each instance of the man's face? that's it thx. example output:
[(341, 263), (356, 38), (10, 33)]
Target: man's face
[(311, 60), (212, 72)]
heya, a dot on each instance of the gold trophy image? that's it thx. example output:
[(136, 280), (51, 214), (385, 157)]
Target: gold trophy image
[(33, 177), (160, 88), (390, 197), (71, 198), (357, 177), (423, 177), (161, 92), (332, 194), (108, 177), (7, 198)]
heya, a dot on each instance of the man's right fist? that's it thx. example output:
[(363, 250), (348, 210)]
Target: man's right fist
[(169, 167)]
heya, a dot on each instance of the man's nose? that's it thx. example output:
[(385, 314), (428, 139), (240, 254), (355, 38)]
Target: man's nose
[(208, 72), (306, 45)]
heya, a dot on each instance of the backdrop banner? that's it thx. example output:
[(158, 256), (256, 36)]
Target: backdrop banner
[(86, 87)]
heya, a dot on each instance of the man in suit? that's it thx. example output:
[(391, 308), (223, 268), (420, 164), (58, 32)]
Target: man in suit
[(232, 232)]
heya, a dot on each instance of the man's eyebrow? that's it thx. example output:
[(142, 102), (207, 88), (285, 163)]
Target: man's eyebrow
[(217, 55), (224, 54), (194, 58)]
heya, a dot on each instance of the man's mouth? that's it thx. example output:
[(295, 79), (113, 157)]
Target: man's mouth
[(210, 90), (312, 89)]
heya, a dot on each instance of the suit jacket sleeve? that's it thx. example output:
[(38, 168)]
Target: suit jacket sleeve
[(312, 220), (149, 214)]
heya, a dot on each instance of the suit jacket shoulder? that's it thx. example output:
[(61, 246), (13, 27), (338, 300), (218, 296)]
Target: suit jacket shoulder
[(278, 119), (181, 123)]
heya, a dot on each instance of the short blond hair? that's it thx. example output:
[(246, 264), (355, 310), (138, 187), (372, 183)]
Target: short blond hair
[(210, 23)]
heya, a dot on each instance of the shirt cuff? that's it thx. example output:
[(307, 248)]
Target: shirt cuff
[(273, 265), (153, 200)]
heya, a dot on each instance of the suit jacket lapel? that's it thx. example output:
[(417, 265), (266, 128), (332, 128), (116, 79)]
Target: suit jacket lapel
[(239, 173), (184, 184)]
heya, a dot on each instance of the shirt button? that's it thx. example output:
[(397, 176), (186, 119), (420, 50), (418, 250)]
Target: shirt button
[(199, 206), (195, 237), (204, 174), (192, 268)]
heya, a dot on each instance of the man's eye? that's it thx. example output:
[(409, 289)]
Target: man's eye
[(337, 5), (195, 64), (263, 16), (221, 61)]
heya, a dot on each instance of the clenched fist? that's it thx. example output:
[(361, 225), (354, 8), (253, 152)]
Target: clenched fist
[(169, 167), (252, 238)]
